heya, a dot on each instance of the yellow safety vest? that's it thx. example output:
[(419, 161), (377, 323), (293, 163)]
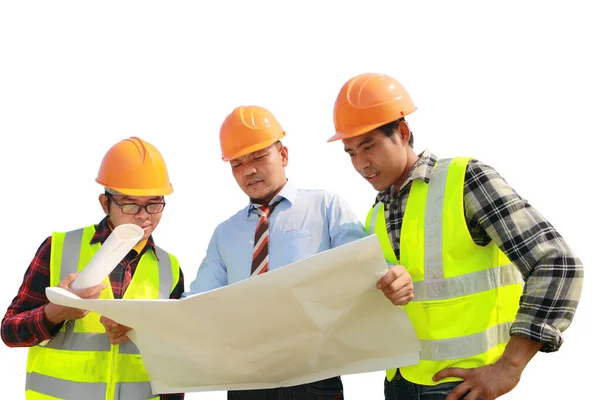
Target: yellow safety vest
[(79, 362), (466, 296)]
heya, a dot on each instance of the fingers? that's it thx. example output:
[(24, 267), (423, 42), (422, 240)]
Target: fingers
[(67, 280), (74, 313), (390, 276), (87, 293), (117, 328), (91, 292), (81, 313), (113, 327), (117, 333), (118, 338), (459, 391), (397, 285), (475, 395), (107, 322), (401, 299), (386, 280), (402, 284), (451, 373)]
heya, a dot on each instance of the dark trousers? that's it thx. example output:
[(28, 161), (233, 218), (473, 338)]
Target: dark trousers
[(328, 389), (401, 389)]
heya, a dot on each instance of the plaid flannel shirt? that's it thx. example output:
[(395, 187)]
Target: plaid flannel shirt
[(23, 325), (494, 211)]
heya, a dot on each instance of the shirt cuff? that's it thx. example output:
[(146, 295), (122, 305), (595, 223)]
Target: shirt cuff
[(539, 332), (39, 326)]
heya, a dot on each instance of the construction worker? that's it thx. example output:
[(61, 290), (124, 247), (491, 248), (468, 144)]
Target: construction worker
[(281, 224), (76, 354), (468, 240)]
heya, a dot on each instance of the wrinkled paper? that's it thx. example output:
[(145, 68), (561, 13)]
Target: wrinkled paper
[(310, 320)]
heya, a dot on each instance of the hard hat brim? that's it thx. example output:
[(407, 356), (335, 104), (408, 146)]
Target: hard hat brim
[(141, 192), (364, 129), (252, 149)]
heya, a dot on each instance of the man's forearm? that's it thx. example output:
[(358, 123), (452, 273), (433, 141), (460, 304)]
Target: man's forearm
[(519, 351)]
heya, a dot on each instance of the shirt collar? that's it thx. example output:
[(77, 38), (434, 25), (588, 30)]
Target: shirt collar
[(104, 229), (422, 170), (288, 192)]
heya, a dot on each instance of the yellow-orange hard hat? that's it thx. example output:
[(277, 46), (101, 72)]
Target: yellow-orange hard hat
[(135, 167), (369, 101), (248, 129)]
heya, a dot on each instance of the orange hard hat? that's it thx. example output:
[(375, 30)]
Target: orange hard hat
[(369, 101), (248, 129), (135, 167)]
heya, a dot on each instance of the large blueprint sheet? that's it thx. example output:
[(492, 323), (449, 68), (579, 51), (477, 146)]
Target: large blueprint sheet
[(310, 320)]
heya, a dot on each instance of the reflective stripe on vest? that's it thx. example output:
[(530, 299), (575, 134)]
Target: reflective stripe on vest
[(464, 346), (83, 341), (111, 372), (438, 288), (63, 389), (494, 288)]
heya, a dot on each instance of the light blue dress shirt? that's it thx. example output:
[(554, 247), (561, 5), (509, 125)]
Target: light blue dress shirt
[(306, 222)]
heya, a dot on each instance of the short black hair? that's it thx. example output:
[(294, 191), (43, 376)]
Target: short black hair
[(391, 127)]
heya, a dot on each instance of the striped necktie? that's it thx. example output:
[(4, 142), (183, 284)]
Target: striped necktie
[(260, 255)]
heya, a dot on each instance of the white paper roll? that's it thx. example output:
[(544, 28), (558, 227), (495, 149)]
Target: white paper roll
[(120, 242)]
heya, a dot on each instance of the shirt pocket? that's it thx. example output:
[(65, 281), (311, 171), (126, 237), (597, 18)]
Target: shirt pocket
[(297, 245)]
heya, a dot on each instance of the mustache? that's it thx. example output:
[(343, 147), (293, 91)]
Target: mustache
[(253, 180)]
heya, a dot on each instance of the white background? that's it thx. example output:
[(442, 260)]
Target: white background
[(514, 84)]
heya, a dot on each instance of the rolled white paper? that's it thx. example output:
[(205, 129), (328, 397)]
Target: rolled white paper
[(120, 242)]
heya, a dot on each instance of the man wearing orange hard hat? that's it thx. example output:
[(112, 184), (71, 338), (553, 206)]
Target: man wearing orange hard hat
[(79, 354), (281, 224), (468, 240)]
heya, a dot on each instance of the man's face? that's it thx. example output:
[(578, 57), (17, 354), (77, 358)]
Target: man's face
[(378, 158), (121, 208), (261, 174)]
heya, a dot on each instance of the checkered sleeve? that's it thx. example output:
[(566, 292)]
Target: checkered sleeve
[(553, 274), (23, 324)]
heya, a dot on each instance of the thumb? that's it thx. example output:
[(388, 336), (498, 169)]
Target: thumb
[(67, 280), (108, 322), (386, 280)]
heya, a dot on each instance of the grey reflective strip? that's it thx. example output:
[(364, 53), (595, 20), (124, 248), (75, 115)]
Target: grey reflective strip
[(465, 346), (133, 390), (463, 285), (68, 339), (64, 389), (81, 341), (128, 348), (164, 272), (69, 263), (373, 222), (434, 208)]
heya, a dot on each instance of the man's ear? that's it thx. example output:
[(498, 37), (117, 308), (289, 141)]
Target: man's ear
[(103, 199), (284, 155), (404, 131)]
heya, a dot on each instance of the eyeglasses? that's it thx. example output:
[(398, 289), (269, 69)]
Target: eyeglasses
[(133, 209)]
